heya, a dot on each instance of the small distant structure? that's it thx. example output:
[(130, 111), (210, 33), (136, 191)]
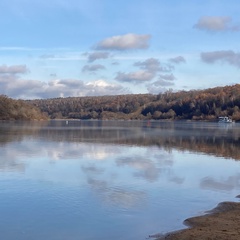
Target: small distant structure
[(225, 120)]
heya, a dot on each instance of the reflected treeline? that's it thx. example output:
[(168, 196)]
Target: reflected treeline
[(206, 137), (15, 131)]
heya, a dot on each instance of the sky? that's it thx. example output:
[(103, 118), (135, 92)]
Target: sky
[(71, 48)]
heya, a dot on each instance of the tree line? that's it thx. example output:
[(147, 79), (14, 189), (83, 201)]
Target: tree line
[(205, 104), (11, 109)]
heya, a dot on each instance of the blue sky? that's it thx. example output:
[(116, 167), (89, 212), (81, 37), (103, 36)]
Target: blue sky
[(63, 48)]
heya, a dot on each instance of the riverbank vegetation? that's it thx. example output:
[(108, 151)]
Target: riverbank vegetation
[(11, 109), (205, 104)]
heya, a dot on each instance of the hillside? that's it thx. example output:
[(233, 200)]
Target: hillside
[(11, 109), (205, 104)]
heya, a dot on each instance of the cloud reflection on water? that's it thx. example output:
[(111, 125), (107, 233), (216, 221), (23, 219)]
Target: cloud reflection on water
[(107, 141), (65, 151), (92, 169), (209, 138), (228, 184), (116, 195), (109, 172), (147, 169)]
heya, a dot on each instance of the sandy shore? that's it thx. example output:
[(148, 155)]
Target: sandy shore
[(221, 223)]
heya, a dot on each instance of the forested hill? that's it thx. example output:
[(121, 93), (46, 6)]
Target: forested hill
[(196, 104), (11, 109)]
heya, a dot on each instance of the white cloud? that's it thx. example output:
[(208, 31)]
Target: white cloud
[(167, 77), (92, 68), (156, 90), (67, 87), (100, 83), (216, 24), (159, 86), (162, 83), (177, 60), (148, 71), (153, 65), (15, 87), (228, 56), (137, 77), (97, 55), (12, 86), (14, 69), (125, 42)]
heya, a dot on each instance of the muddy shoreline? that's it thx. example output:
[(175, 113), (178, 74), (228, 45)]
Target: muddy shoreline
[(221, 223)]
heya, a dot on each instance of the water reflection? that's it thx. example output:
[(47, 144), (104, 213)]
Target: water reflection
[(106, 179), (228, 184), (210, 138), (117, 196), (146, 168)]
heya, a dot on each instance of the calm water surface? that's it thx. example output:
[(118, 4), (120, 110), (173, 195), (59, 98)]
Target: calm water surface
[(126, 180)]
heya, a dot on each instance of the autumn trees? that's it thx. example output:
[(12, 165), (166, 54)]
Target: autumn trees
[(11, 109), (196, 105), (205, 104)]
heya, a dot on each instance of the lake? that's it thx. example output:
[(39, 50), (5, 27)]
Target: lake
[(88, 180)]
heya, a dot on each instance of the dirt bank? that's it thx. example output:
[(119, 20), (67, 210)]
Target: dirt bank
[(221, 223)]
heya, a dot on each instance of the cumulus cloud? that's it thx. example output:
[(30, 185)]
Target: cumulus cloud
[(159, 86), (65, 88), (229, 57), (156, 90), (15, 87), (177, 60), (162, 83), (12, 85), (147, 72), (14, 69), (167, 77), (92, 68), (153, 65), (98, 83), (136, 77), (97, 55), (216, 24), (125, 42)]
